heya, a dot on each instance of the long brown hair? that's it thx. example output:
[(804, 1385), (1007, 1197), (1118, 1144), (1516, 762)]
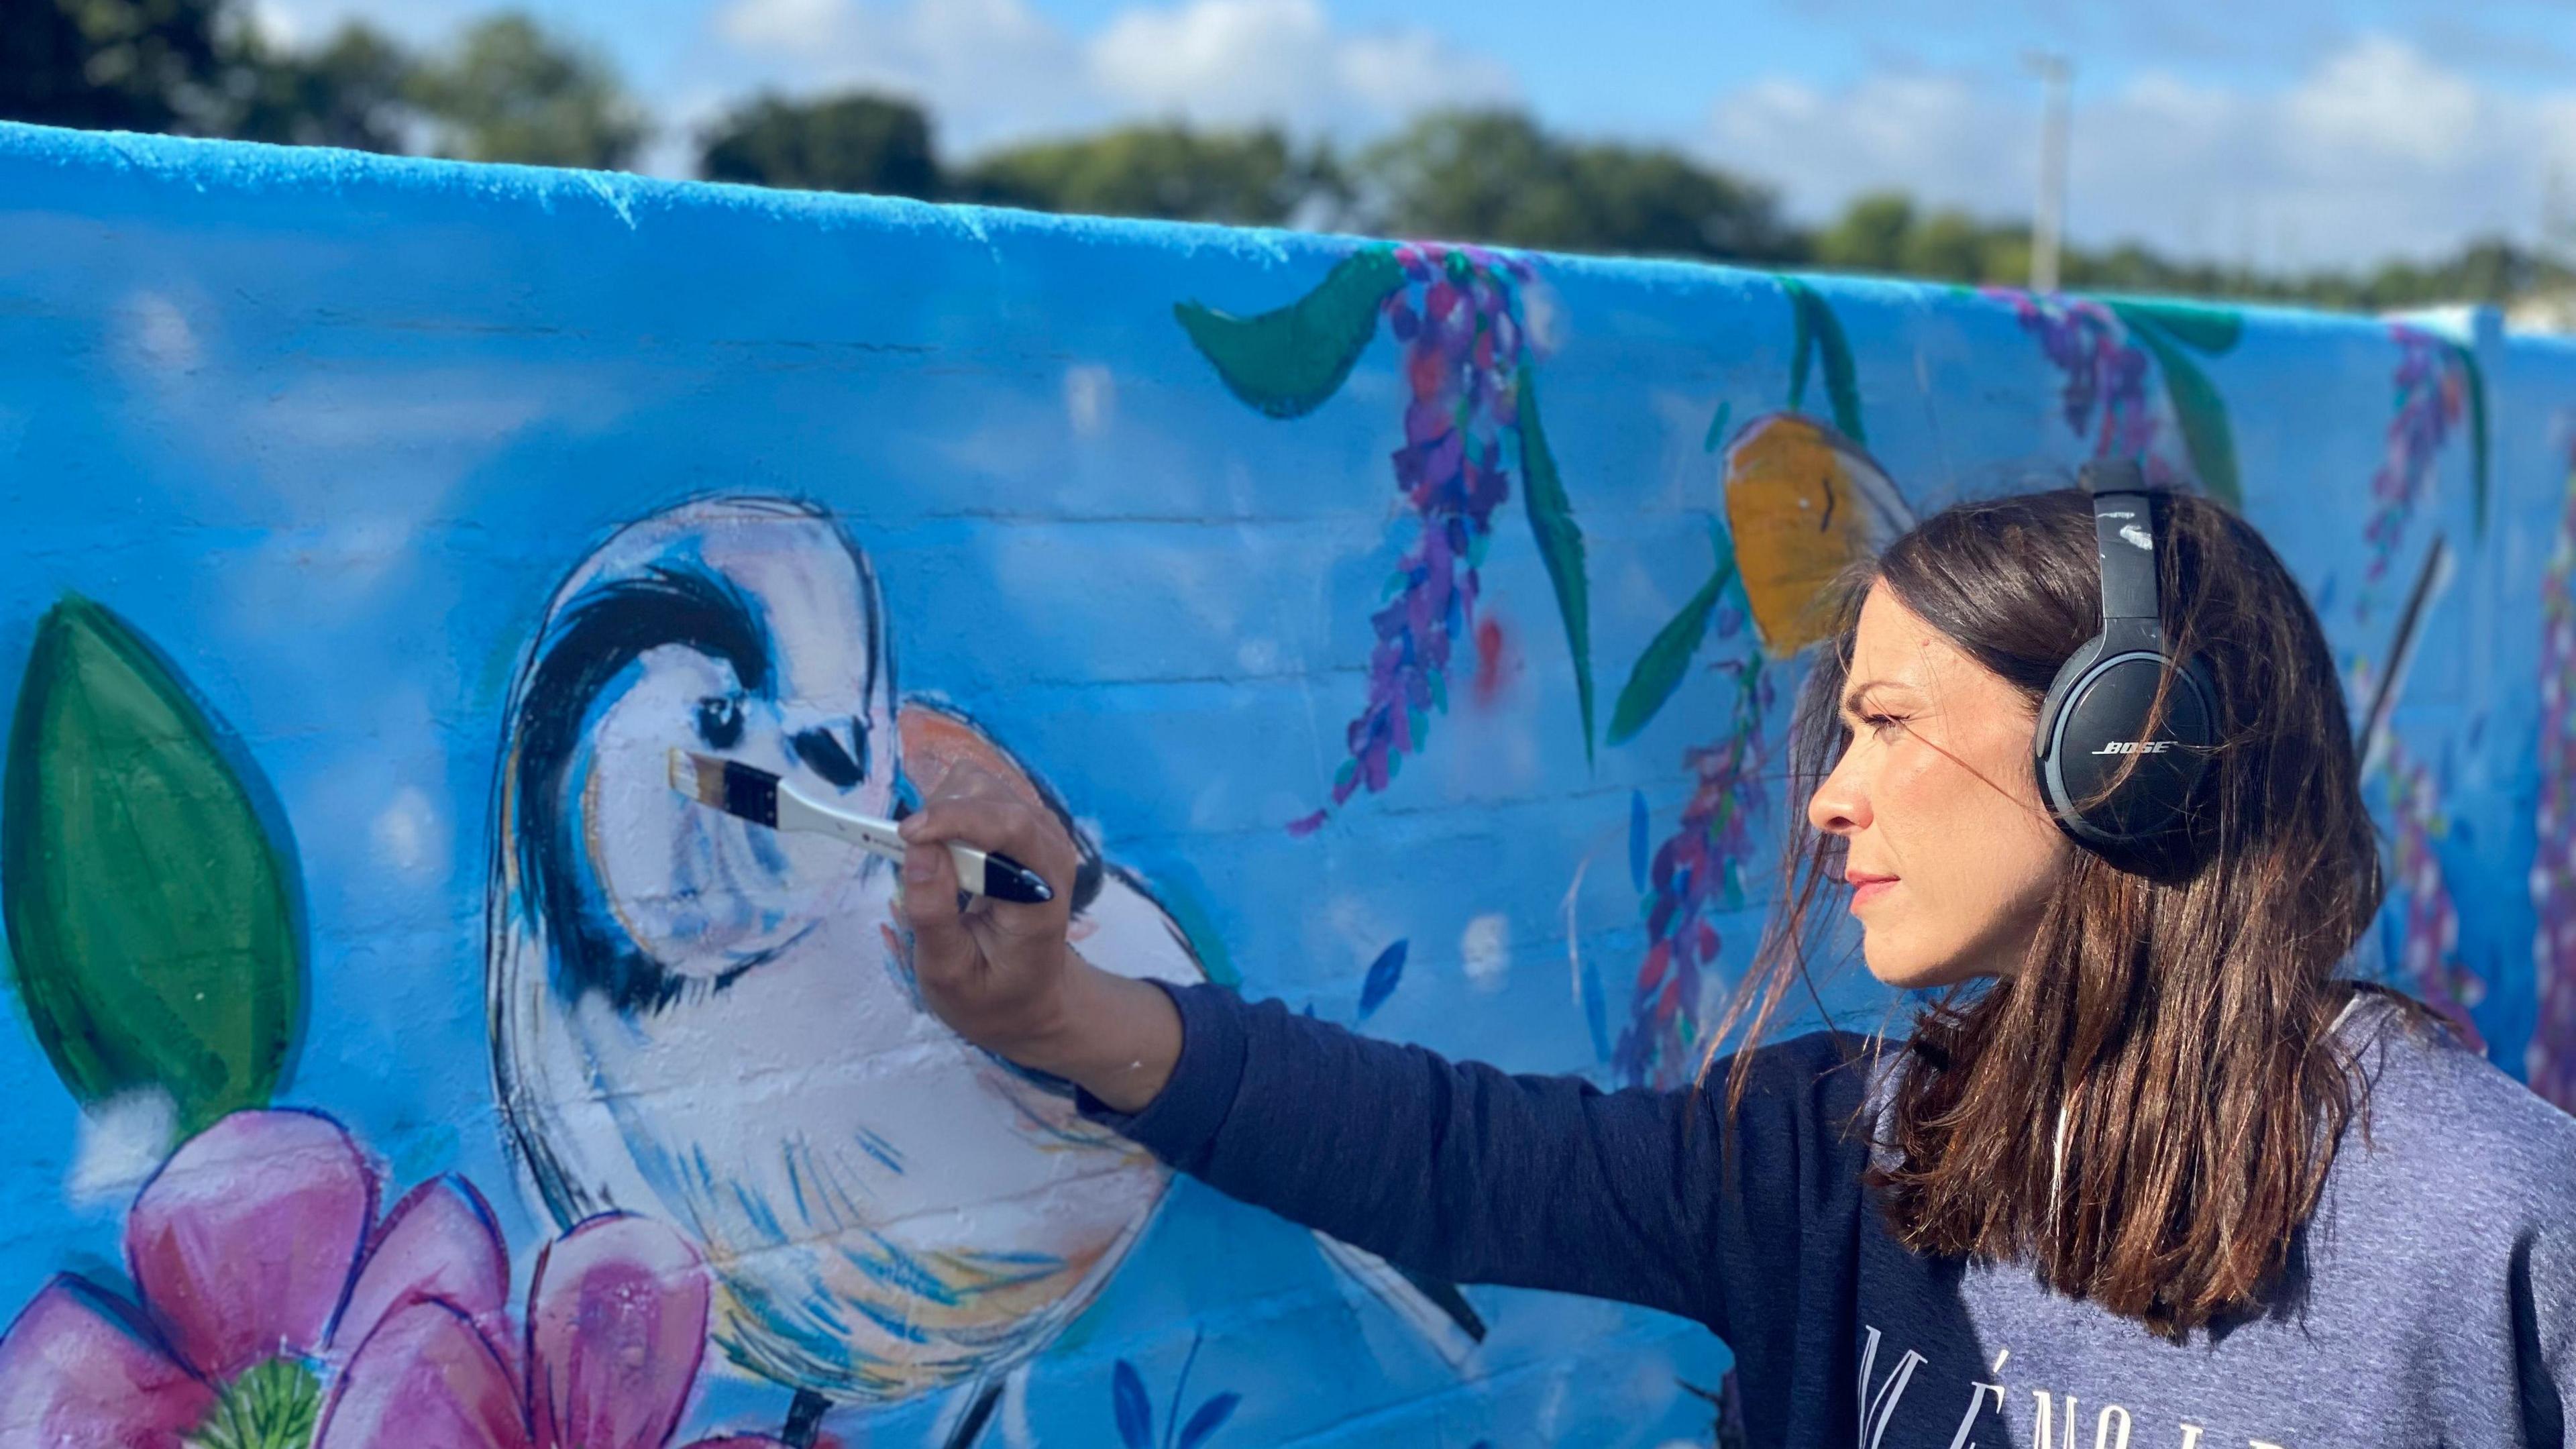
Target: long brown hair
[(2178, 1013)]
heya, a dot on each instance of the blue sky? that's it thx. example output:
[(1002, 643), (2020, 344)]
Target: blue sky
[(2284, 132)]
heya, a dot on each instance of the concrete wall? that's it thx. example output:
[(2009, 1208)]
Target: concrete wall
[(1407, 631)]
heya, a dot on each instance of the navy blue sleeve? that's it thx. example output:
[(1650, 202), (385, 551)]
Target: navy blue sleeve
[(1475, 1175)]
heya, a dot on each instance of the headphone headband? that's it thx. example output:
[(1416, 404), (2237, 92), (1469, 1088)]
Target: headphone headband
[(2124, 537)]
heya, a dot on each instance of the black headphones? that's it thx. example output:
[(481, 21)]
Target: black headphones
[(2094, 720)]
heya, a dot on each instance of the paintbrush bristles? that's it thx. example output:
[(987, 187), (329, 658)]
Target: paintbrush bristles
[(691, 776), (746, 792)]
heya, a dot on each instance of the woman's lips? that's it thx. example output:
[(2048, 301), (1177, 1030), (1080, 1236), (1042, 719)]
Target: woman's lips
[(1867, 887)]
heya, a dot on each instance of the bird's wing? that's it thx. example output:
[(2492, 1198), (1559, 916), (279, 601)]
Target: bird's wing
[(1116, 917)]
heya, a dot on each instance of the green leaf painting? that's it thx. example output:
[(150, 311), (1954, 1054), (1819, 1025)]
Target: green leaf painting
[(2198, 407), (154, 917), (2211, 331), (1560, 545), (1819, 338), (1659, 670), (1287, 362)]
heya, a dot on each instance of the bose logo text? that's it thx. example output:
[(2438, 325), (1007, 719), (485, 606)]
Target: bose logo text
[(2135, 747)]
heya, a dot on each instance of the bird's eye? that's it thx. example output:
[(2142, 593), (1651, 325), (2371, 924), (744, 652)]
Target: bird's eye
[(720, 721)]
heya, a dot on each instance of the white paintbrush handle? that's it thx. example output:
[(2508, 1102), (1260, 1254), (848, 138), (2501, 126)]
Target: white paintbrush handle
[(795, 812)]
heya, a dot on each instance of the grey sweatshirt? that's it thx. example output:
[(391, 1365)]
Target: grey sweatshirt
[(2431, 1299)]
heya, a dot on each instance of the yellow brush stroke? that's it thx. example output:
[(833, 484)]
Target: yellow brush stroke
[(1803, 503)]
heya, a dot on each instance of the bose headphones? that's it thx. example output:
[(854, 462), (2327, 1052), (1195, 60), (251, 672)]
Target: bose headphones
[(2094, 720)]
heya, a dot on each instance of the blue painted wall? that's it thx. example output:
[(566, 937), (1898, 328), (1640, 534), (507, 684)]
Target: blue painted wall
[(348, 445)]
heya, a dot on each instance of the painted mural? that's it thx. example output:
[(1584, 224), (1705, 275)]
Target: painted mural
[(397, 1059)]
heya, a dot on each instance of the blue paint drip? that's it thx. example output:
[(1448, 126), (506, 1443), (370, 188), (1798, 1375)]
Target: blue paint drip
[(1637, 840), (1383, 975)]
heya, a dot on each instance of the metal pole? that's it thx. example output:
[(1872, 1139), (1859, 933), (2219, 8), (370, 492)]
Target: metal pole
[(2048, 223)]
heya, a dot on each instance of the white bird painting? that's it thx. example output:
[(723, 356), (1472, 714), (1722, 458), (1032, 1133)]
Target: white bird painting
[(711, 1023)]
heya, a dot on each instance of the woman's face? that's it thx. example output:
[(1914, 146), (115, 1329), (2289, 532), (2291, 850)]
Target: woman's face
[(1951, 852)]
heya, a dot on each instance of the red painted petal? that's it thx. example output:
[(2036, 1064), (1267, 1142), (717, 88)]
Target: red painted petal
[(439, 1242), (244, 1242), (81, 1370), (425, 1379), (617, 1324)]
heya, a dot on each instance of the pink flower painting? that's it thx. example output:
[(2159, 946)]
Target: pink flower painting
[(616, 1327), (275, 1311)]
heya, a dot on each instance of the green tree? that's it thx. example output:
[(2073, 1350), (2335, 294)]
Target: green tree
[(1246, 178), (1655, 202), (1496, 176), (136, 65), (352, 92), (1871, 235), (511, 92), (1950, 246), (854, 142)]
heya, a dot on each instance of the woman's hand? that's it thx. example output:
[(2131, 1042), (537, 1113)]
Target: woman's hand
[(1004, 975), (995, 971)]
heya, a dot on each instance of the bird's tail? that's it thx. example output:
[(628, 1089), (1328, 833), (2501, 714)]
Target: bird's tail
[(1433, 1308)]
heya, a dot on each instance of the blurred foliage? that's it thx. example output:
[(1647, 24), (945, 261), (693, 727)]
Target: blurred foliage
[(134, 65), (854, 142), (507, 89), (1496, 176), (353, 91), (1244, 178)]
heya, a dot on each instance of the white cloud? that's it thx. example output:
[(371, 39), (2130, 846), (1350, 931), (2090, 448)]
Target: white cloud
[(994, 70), (1239, 61), (983, 67), (780, 23), (2375, 149), (2380, 98)]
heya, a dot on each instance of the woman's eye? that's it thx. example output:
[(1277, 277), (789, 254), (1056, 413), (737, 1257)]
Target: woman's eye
[(1880, 724), (720, 722)]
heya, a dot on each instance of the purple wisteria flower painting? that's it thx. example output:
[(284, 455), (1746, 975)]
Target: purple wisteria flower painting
[(2430, 388), (1463, 343), (1470, 435), (2550, 1060), (2104, 398), (1695, 876)]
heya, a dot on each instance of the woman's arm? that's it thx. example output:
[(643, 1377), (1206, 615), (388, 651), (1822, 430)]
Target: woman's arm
[(1453, 1169)]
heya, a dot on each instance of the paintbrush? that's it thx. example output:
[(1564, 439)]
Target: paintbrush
[(748, 792)]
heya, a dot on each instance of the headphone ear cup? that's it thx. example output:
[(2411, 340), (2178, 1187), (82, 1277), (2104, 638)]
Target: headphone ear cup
[(2109, 780), (2045, 744)]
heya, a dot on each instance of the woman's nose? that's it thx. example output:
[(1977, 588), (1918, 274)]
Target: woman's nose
[(1839, 806)]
